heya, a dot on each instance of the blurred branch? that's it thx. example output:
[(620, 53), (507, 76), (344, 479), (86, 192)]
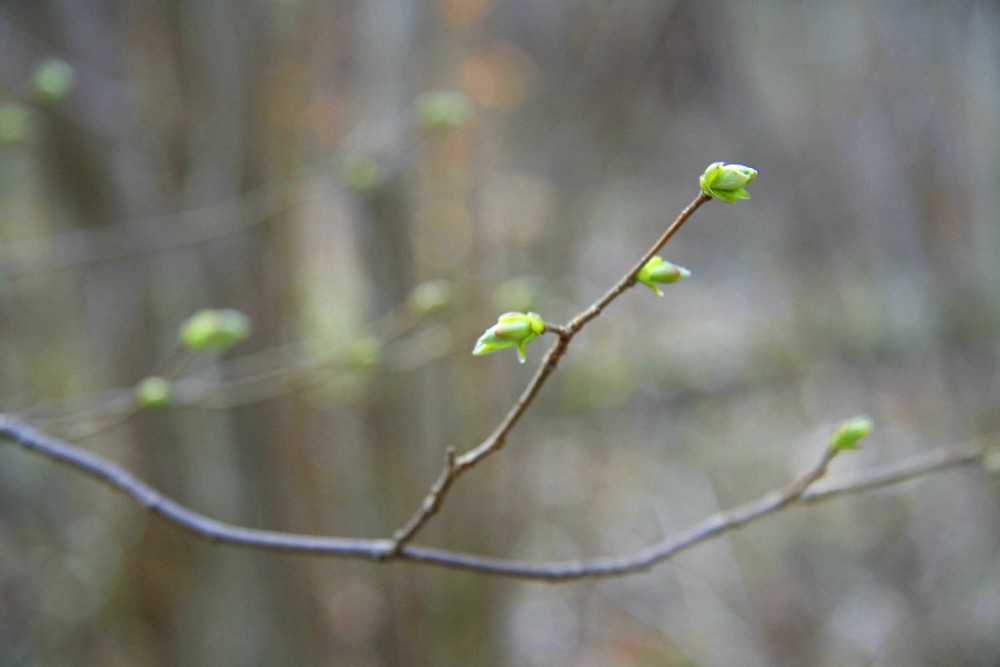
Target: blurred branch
[(386, 550), (157, 234), (250, 378), (455, 466), (941, 458), (95, 419), (121, 406)]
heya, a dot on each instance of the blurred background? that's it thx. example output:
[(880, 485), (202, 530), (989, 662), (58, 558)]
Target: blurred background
[(372, 182)]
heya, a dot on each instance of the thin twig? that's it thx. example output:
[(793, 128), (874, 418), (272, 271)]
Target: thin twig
[(105, 421), (154, 235), (118, 409), (247, 385), (430, 505), (941, 458), (212, 530), (498, 438), (628, 280), (174, 363)]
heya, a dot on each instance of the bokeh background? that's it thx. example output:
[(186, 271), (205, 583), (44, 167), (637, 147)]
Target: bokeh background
[(311, 163)]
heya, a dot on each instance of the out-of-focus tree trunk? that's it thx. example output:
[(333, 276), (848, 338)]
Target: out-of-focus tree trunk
[(392, 420), (179, 132)]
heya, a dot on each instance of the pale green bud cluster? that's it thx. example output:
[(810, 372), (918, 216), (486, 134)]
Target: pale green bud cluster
[(211, 330), (727, 182), (658, 270), (511, 330), (850, 433)]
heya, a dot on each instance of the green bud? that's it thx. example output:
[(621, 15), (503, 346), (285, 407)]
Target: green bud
[(154, 392), (511, 330), (443, 109), (365, 352), (362, 174), (658, 270), (513, 326), (53, 80), (850, 433), (15, 123), (431, 297), (727, 182), (214, 330)]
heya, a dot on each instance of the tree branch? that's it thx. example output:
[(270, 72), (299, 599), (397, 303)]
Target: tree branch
[(252, 378), (161, 233), (628, 280), (935, 460), (454, 467), (212, 530)]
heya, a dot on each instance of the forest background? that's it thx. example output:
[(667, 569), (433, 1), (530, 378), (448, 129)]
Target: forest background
[(295, 160)]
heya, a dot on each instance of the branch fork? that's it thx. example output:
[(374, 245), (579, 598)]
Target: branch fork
[(453, 467), (726, 183), (383, 550)]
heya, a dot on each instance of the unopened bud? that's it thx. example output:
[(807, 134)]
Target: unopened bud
[(53, 80), (214, 330), (727, 182), (658, 270), (365, 352), (850, 433), (511, 330), (154, 392)]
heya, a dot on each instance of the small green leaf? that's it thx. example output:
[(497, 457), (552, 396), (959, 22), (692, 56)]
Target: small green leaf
[(850, 433), (733, 177)]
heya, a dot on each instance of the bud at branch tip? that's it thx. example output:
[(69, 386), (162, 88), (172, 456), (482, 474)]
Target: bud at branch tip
[(727, 182), (850, 433)]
